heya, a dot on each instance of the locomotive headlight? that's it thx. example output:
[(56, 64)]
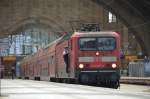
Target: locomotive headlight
[(97, 53), (81, 66), (114, 65)]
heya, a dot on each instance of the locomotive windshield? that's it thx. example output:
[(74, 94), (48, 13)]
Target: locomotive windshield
[(97, 43)]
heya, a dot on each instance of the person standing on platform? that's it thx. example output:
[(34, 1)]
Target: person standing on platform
[(12, 72), (66, 58)]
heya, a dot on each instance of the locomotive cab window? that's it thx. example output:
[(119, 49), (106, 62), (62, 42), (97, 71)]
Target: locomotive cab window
[(97, 43), (106, 44), (87, 43)]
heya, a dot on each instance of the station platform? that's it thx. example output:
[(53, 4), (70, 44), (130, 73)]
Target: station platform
[(135, 80), (31, 89)]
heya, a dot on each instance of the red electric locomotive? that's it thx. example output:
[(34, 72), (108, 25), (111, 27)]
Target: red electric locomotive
[(86, 57)]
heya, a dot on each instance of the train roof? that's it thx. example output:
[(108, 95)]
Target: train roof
[(82, 34), (93, 34)]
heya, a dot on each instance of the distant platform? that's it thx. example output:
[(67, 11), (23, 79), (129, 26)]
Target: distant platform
[(136, 80)]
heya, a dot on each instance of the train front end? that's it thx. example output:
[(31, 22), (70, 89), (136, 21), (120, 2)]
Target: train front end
[(98, 58)]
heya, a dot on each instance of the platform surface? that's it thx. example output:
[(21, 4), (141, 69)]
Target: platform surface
[(29, 89)]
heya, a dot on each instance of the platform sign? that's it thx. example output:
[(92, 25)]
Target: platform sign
[(131, 57), (9, 58)]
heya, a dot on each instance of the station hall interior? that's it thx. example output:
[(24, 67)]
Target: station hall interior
[(30, 25)]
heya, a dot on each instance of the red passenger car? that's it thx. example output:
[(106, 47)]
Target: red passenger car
[(90, 57)]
